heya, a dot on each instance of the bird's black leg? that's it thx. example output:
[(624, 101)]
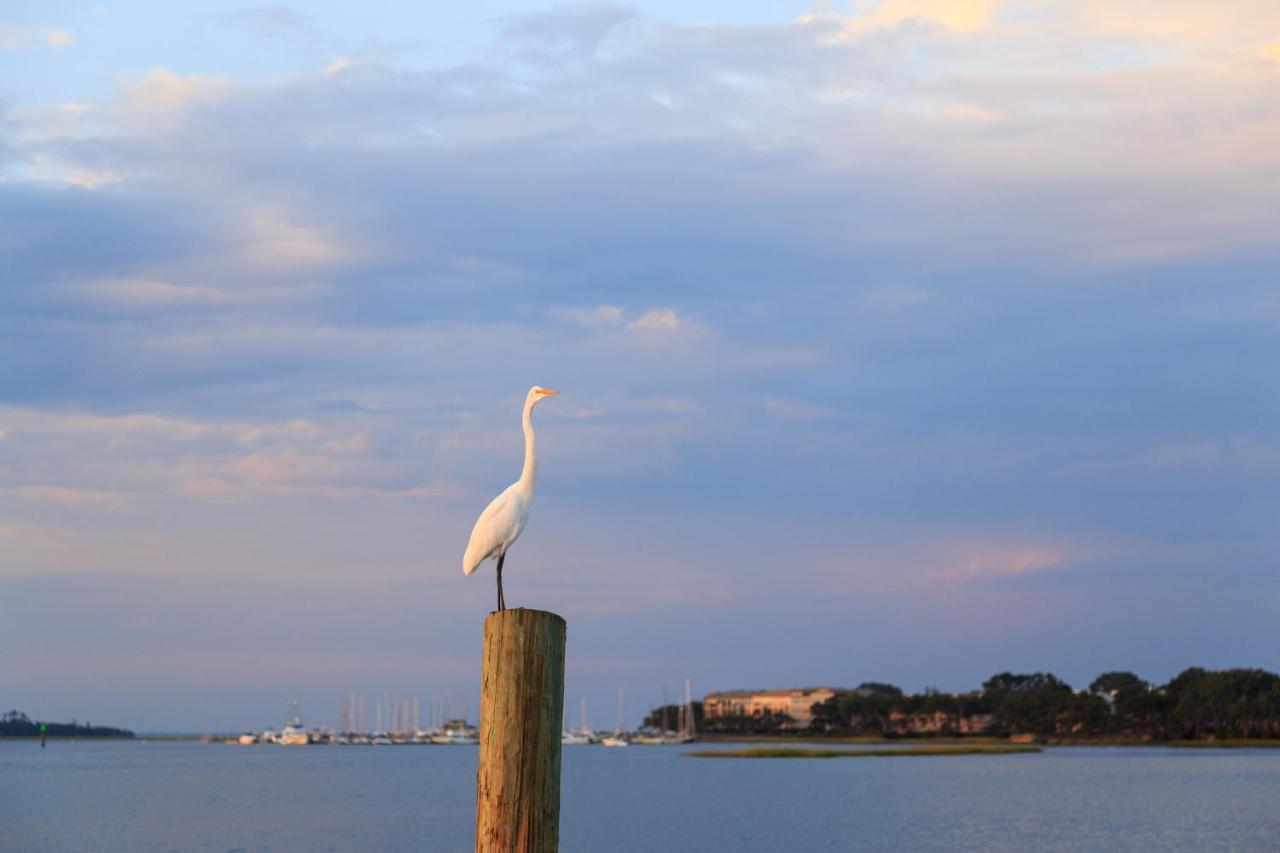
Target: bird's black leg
[(502, 602)]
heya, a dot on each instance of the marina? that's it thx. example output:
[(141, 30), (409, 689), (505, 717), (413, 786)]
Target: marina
[(402, 727)]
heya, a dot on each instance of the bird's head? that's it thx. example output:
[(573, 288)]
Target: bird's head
[(537, 392)]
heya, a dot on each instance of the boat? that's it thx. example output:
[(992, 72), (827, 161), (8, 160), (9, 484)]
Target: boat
[(619, 736), (581, 735), (650, 738), (248, 738), (687, 728), (294, 733), (457, 732), (665, 736)]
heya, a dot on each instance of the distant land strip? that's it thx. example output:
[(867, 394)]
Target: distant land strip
[(773, 752), (1198, 705), (16, 724)]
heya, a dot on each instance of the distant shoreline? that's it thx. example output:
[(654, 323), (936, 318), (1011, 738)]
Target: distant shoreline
[(802, 740), (5, 738), (913, 751)]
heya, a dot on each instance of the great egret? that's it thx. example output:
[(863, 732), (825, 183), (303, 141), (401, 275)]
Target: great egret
[(504, 518)]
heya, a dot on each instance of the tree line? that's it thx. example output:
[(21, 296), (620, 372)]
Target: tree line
[(18, 724), (1196, 704), (665, 717)]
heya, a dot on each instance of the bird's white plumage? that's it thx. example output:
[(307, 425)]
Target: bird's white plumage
[(498, 526), (504, 518)]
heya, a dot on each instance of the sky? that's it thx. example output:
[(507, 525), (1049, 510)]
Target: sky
[(906, 341)]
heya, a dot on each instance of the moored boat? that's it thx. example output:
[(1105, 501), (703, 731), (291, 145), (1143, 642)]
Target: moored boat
[(294, 733)]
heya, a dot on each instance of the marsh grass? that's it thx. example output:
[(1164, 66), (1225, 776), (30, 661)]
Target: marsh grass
[(774, 752)]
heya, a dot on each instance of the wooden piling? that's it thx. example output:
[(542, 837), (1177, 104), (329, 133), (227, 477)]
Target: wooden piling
[(521, 715)]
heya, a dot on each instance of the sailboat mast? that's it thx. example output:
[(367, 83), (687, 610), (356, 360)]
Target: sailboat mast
[(688, 714)]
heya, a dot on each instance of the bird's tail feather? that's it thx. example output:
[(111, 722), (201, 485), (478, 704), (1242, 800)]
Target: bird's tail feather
[(470, 562)]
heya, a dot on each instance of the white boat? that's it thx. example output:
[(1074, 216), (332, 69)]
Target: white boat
[(649, 738), (457, 732), (614, 740), (456, 739), (248, 738), (581, 735), (294, 733)]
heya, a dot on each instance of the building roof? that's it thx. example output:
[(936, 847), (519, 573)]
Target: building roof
[(784, 691)]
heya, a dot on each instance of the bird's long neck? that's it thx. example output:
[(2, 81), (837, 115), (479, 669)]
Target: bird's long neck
[(530, 450)]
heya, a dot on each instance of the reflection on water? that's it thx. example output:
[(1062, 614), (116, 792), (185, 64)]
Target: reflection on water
[(123, 796)]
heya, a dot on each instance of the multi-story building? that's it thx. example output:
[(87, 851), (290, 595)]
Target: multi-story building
[(796, 704)]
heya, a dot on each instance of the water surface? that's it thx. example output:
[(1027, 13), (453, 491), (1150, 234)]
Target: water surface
[(154, 796)]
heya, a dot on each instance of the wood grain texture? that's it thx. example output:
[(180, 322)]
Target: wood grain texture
[(521, 714)]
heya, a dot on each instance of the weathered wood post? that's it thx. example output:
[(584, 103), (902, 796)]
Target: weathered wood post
[(521, 714)]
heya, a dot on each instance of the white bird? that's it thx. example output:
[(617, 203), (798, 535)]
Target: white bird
[(504, 518)]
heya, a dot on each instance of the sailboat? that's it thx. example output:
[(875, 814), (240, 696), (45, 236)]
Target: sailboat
[(648, 736), (687, 729), (582, 735), (619, 736)]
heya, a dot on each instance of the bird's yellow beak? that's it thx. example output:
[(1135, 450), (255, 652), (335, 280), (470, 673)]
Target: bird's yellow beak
[(550, 392)]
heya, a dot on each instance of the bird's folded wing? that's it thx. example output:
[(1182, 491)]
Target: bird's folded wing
[(484, 536), (495, 507)]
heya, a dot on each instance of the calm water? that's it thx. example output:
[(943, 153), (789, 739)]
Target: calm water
[(184, 796)]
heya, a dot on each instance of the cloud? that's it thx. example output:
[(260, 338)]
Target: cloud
[(274, 243), (341, 64), (270, 21), (11, 36), (965, 16), (599, 315), (56, 38), (147, 295), (91, 180), (990, 561), (657, 320), (1178, 455), (898, 298), (15, 37), (572, 29), (1242, 452), (1181, 29), (605, 316), (161, 91), (71, 497), (148, 455), (788, 409)]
